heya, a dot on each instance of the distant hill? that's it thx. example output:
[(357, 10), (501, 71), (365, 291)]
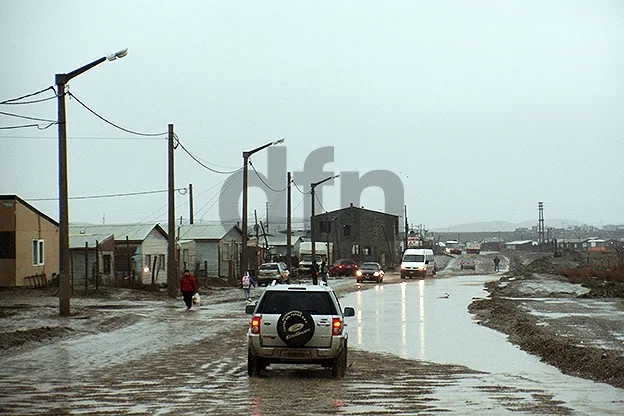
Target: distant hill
[(504, 225)]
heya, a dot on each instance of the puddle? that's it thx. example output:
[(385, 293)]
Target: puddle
[(416, 320)]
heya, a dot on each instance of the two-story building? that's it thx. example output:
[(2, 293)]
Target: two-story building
[(360, 234)]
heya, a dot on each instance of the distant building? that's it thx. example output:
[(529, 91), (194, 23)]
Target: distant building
[(93, 257), (140, 249), (29, 244), (210, 249), (520, 245), (360, 234)]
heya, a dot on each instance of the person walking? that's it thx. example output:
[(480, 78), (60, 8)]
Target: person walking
[(314, 269), (324, 271), (496, 264), (247, 281), (188, 287)]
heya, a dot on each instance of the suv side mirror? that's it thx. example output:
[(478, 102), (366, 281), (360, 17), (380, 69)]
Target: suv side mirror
[(348, 311), (249, 309), (426, 261)]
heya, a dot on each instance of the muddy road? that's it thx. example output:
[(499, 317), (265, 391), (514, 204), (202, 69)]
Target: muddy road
[(150, 356)]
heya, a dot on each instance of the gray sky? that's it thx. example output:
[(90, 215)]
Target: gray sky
[(482, 108)]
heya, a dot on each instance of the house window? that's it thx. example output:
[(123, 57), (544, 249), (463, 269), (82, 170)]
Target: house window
[(148, 262), (325, 227), (37, 252), (106, 266), (161, 262), (355, 249), (368, 250), (7, 244), (346, 229)]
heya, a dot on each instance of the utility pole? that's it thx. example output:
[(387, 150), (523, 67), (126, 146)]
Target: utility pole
[(191, 203), (266, 204), (288, 225), (406, 230), (257, 245), (540, 222), (172, 286)]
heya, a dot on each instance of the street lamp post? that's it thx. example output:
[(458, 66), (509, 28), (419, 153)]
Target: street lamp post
[(61, 80), (246, 156), (313, 185)]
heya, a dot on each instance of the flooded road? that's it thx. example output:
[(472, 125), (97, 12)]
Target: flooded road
[(428, 320), (413, 350)]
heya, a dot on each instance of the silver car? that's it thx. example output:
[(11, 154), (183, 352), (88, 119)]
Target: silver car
[(268, 272), (297, 324)]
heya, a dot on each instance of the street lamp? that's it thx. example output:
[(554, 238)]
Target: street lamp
[(61, 80), (313, 185), (246, 156)]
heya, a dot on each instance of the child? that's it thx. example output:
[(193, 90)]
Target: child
[(247, 282)]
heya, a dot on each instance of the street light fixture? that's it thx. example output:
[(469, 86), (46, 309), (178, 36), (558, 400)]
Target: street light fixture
[(61, 80), (313, 185), (246, 156)]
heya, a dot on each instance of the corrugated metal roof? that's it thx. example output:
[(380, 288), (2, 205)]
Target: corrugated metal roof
[(519, 242), (204, 231), (78, 241), (134, 232)]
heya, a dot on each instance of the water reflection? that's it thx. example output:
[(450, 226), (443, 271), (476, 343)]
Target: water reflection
[(421, 295)]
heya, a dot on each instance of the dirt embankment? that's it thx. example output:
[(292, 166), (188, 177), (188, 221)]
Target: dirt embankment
[(571, 331)]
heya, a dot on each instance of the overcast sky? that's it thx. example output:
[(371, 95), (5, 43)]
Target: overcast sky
[(481, 108)]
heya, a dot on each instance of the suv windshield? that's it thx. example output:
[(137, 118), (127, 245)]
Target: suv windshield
[(414, 257), (279, 302)]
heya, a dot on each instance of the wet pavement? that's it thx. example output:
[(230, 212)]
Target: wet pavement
[(428, 320), (413, 350)]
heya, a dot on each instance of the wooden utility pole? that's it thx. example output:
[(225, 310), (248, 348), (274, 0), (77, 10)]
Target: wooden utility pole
[(172, 281), (191, 203)]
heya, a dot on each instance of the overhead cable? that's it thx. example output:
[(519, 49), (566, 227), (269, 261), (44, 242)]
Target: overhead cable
[(202, 164), (262, 180), (14, 101), (180, 190), (113, 124)]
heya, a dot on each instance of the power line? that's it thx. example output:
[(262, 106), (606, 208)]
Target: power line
[(302, 193), (23, 126), (109, 195), (262, 180), (113, 124), (13, 101), (27, 117), (202, 164), (82, 138)]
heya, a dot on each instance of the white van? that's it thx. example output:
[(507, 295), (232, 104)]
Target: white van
[(418, 262)]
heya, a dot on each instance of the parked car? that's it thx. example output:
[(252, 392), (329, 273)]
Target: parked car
[(468, 263), (343, 267), (297, 324), (369, 271), (272, 271)]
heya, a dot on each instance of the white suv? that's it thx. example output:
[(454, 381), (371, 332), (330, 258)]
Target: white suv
[(297, 324)]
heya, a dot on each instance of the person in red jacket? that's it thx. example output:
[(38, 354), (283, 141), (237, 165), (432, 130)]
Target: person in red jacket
[(188, 287)]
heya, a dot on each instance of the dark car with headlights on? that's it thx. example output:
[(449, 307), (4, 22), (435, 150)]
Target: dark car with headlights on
[(370, 271)]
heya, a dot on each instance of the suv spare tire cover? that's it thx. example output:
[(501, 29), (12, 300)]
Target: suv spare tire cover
[(295, 328)]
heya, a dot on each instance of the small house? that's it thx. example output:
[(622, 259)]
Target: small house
[(29, 244)]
